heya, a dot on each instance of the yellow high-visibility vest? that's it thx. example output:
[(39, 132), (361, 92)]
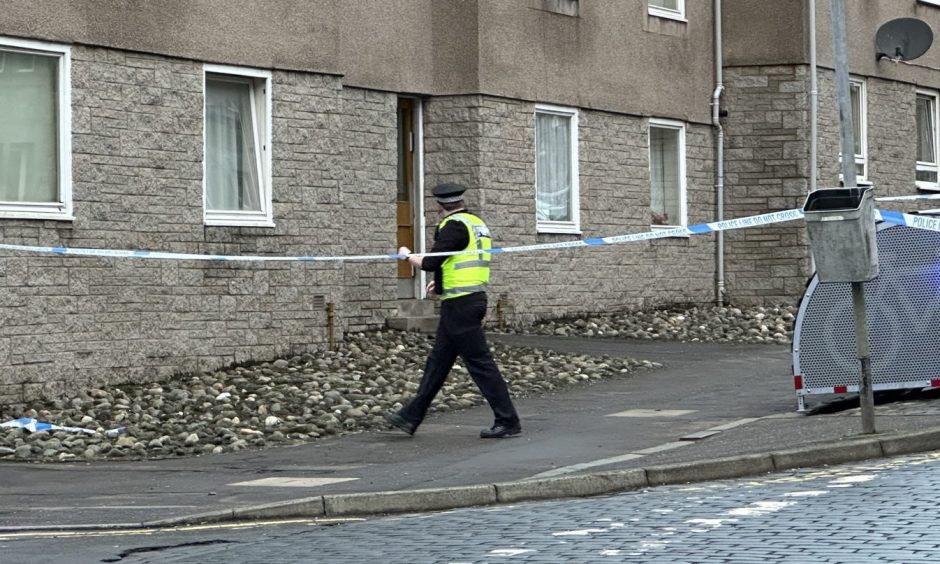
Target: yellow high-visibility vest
[(466, 274)]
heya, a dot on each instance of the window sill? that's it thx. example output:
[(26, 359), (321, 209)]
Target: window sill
[(558, 229), (209, 222), (668, 15), (10, 214), (929, 186)]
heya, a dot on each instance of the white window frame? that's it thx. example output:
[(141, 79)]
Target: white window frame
[(683, 182), (573, 226), (261, 88), (921, 165), (661, 12), (61, 210), (861, 158)]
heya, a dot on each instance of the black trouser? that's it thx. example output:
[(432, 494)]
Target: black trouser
[(460, 332)]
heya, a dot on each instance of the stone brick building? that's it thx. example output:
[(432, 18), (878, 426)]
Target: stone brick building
[(292, 128), (767, 128)]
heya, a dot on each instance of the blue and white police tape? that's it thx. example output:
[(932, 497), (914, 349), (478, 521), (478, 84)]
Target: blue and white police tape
[(908, 198), (120, 253), (916, 221), (739, 223), (34, 426), (924, 222)]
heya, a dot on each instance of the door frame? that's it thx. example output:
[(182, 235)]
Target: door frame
[(416, 207), (418, 197)]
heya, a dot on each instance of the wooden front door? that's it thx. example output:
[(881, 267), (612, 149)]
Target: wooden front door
[(406, 198)]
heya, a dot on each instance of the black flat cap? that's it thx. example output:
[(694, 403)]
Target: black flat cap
[(448, 192)]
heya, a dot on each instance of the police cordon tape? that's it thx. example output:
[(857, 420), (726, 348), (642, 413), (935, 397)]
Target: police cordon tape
[(910, 220), (908, 198)]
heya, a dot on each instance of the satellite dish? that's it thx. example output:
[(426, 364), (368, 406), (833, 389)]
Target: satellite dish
[(903, 39)]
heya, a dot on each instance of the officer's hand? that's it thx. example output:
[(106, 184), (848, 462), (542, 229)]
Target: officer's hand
[(403, 253), (429, 289)]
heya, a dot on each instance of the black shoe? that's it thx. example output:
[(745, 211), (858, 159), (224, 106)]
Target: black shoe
[(401, 423), (501, 431)]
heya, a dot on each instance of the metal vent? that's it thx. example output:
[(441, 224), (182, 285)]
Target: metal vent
[(319, 301), (903, 305)]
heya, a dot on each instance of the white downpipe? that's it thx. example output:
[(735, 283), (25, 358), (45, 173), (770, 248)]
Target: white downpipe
[(719, 153)]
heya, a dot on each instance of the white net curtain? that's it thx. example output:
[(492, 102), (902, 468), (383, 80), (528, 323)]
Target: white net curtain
[(232, 159), (665, 199), (553, 167)]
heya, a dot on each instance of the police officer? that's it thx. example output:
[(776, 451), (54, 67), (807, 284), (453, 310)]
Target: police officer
[(461, 281)]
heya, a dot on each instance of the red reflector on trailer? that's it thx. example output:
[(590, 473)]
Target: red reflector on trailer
[(840, 389), (798, 381)]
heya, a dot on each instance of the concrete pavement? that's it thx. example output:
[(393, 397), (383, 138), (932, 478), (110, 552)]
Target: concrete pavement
[(713, 411)]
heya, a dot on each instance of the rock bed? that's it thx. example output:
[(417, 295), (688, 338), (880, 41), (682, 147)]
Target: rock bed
[(714, 324), (287, 401)]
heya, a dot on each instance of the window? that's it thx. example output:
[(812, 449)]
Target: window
[(35, 130), (564, 7), (860, 127), (926, 175), (556, 170), (237, 160), (667, 174), (673, 9)]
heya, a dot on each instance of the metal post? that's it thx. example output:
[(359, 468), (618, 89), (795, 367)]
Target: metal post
[(813, 112), (330, 326), (865, 394), (843, 93), (813, 99), (866, 397)]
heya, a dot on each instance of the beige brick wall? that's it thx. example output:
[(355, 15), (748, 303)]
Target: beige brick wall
[(767, 167), (614, 200), (137, 168)]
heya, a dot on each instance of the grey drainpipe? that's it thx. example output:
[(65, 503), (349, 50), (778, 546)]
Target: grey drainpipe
[(813, 94), (813, 111), (719, 154)]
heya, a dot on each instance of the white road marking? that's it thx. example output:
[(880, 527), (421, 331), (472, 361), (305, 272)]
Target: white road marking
[(287, 482), (74, 507), (652, 413), (847, 481), (578, 532), (663, 447), (584, 466), (811, 493), (734, 424), (555, 472), (698, 435), (761, 508)]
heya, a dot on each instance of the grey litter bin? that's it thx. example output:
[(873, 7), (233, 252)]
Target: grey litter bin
[(841, 227)]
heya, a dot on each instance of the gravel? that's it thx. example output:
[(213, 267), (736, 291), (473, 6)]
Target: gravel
[(307, 397), (287, 401), (707, 324)]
